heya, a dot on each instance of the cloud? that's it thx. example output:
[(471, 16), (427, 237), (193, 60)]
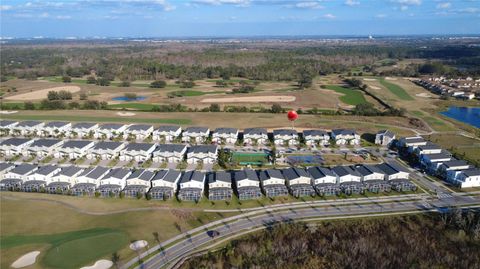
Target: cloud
[(63, 17), (329, 16), (305, 5), (380, 16), (444, 5), (470, 10), (44, 15), (352, 3), (240, 3), (5, 7), (408, 2)]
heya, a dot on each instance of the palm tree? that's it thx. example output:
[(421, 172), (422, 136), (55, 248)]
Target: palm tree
[(116, 259)]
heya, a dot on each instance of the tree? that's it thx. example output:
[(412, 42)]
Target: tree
[(305, 80), (276, 108), (64, 95), (116, 259), (66, 79), (130, 96), (52, 95), (187, 84), (125, 83), (214, 108), (83, 96), (273, 154), (91, 80), (103, 81), (29, 105), (158, 84)]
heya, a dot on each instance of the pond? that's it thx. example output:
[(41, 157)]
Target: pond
[(126, 99), (468, 115)]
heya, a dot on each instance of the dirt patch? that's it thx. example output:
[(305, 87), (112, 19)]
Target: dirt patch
[(252, 99), (423, 94), (42, 94), (369, 79)]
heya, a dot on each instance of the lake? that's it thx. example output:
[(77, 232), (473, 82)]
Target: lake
[(468, 115)]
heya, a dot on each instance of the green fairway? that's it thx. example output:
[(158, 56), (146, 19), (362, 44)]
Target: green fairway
[(95, 119), (249, 158), (350, 96), (136, 106), (395, 89), (16, 105)]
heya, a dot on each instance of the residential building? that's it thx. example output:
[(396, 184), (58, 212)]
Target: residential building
[(5, 168), (393, 171), (412, 142), (169, 153), (138, 131), (83, 130), (428, 148), (202, 154), (105, 150), (13, 179), (109, 130), (6, 127), (55, 129), (167, 133), (219, 186), (192, 185), (165, 184), (273, 183), (63, 180), (225, 136), (194, 135), (27, 128), (285, 137), (113, 182), (324, 180), (373, 178), (384, 138), (139, 152), (349, 179), (316, 137), (138, 183), (14, 146), (299, 181), (38, 179), (255, 136), (73, 149), (248, 184), (88, 181), (468, 178), (345, 137), (43, 147), (452, 165), (432, 162)]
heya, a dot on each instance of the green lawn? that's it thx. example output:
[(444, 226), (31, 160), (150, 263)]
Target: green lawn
[(395, 89), (95, 119), (249, 157), (136, 106), (350, 96), (16, 105)]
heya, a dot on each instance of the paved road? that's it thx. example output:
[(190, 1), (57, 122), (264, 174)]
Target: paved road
[(199, 240)]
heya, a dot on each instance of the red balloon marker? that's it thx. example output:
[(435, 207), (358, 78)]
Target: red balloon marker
[(292, 115)]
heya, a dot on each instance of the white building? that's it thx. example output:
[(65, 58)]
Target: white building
[(63, 180), (219, 186), (167, 133), (139, 152), (4, 168), (324, 180), (88, 181), (452, 166), (428, 148), (26, 128), (255, 136), (225, 136), (55, 129), (349, 179), (113, 182), (14, 178), (202, 154), (468, 178), (38, 179), (165, 184), (138, 131), (14, 146), (285, 137), (169, 153), (43, 147), (316, 137), (373, 178), (6, 127), (195, 135), (273, 183), (433, 161), (345, 137), (299, 181), (73, 149), (138, 183), (83, 130), (412, 142), (105, 150), (248, 184), (384, 138), (191, 186), (393, 171), (109, 130)]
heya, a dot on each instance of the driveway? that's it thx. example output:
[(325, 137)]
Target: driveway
[(191, 166), (171, 165), (208, 167)]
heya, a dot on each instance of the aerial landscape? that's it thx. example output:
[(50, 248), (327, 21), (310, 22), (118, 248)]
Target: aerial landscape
[(239, 134)]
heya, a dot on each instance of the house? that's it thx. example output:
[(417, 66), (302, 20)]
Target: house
[(113, 182), (299, 181), (412, 142), (105, 150), (195, 135), (167, 133), (14, 146), (255, 136), (73, 149), (452, 165), (384, 138), (55, 129), (138, 183), (225, 136), (349, 179), (324, 180), (402, 185), (316, 137), (13, 179), (468, 178), (38, 179), (393, 171), (165, 184), (345, 137), (248, 184), (192, 185), (63, 180), (83, 130), (428, 148), (373, 178), (169, 153), (285, 137), (432, 162), (202, 154), (43, 147), (273, 183), (219, 186), (139, 152), (138, 131), (5, 168), (26, 128), (88, 181), (109, 130), (6, 127)]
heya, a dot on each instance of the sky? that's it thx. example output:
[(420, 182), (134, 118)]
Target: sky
[(197, 18)]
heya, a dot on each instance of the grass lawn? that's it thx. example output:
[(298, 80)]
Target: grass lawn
[(350, 96), (240, 158), (134, 106), (96, 119), (395, 89), (16, 105), (467, 148)]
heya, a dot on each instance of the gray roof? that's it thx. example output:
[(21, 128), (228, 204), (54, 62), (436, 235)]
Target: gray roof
[(139, 146), (345, 170), (202, 148), (171, 147), (343, 132), (4, 123), (246, 174), (83, 125), (219, 176), (454, 163), (294, 172), (96, 172), (226, 130), (387, 133), (29, 123), (168, 128), (441, 155), (284, 132), (15, 141), (270, 173), (196, 129), (44, 143), (142, 174), (70, 171), (314, 133), (23, 169), (319, 172), (139, 127), (76, 144), (117, 173), (107, 145), (45, 170), (412, 139), (366, 169), (56, 124), (472, 172), (111, 126), (193, 176), (391, 168), (254, 131), (160, 175), (429, 146), (5, 166), (167, 175)]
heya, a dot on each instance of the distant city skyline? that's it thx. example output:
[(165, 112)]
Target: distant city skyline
[(183, 18)]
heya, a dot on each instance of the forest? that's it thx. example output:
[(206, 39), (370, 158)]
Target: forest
[(447, 240)]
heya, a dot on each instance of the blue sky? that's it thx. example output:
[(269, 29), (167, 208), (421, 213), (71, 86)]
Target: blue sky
[(170, 18)]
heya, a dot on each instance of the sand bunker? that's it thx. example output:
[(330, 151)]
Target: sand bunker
[(8, 111), (100, 264), (125, 114), (369, 79), (137, 245), (42, 94), (423, 94), (375, 87), (251, 99), (389, 78), (26, 260)]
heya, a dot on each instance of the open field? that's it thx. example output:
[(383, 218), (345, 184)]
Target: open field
[(397, 90), (252, 99), (350, 96), (41, 94), (465, 147)]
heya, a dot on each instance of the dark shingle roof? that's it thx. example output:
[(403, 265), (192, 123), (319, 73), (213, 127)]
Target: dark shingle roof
[(29, 123), (23, 168), (4, 123), (97, 172), (288, 132), (45, 170), (366, 170), (254, 131), (142, 174), (246, 174), (196, 129), (314, 133), (139, 127), (117, 173), (429, 146), (202, 148), (5, 166), (226, 130), (472, 172), (76, 144), (171, 147), (172, 175), (345, 170), (219, 176), (111, 126), (391, 168), (270, 173), (319, 172), (56, 124), (15, 141), (139, 146), (44, 143), (193, 176), (69, 171), (107, 145), (436, 156), (294, 172), (168, 128), (343, 132), (454, 163), (83, 125)]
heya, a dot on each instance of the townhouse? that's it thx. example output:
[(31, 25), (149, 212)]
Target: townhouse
[(109, 130), (202, 154), (105, 150), (219, 186), (73, 149), (373, 178), (138, 183), (38, 179), (194, 135), (431, 162), (345, 137), (13, 179), (55, 129), (192, 185), (255, 136), (169, 153), (167, 133), (14, 146), (225, 136), (273, 183), (299, 181), (316, 137), (83, 130), (411, 143), (4, 168), (88, 181), (27, 128), (384, 138), (349, 179), (63, 180), (468, 178), (452, 165), (139, 152), (138, 131), (113, 182), (248, 184), (397, 176), (164, 184), (324, 180), (285, 137), (43, 147), (6, 127), (428, 148)]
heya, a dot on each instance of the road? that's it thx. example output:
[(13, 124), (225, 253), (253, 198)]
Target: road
[(192, 242)]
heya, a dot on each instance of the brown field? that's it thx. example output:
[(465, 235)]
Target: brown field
[(252, 99), (41, 94)]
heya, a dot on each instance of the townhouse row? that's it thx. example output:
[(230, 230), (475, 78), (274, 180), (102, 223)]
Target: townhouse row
[(192, 185), (108, 150), (168, 134), (439, 162)]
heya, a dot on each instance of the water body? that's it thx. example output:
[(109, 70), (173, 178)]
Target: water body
[(468, 115), (126, 99)]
